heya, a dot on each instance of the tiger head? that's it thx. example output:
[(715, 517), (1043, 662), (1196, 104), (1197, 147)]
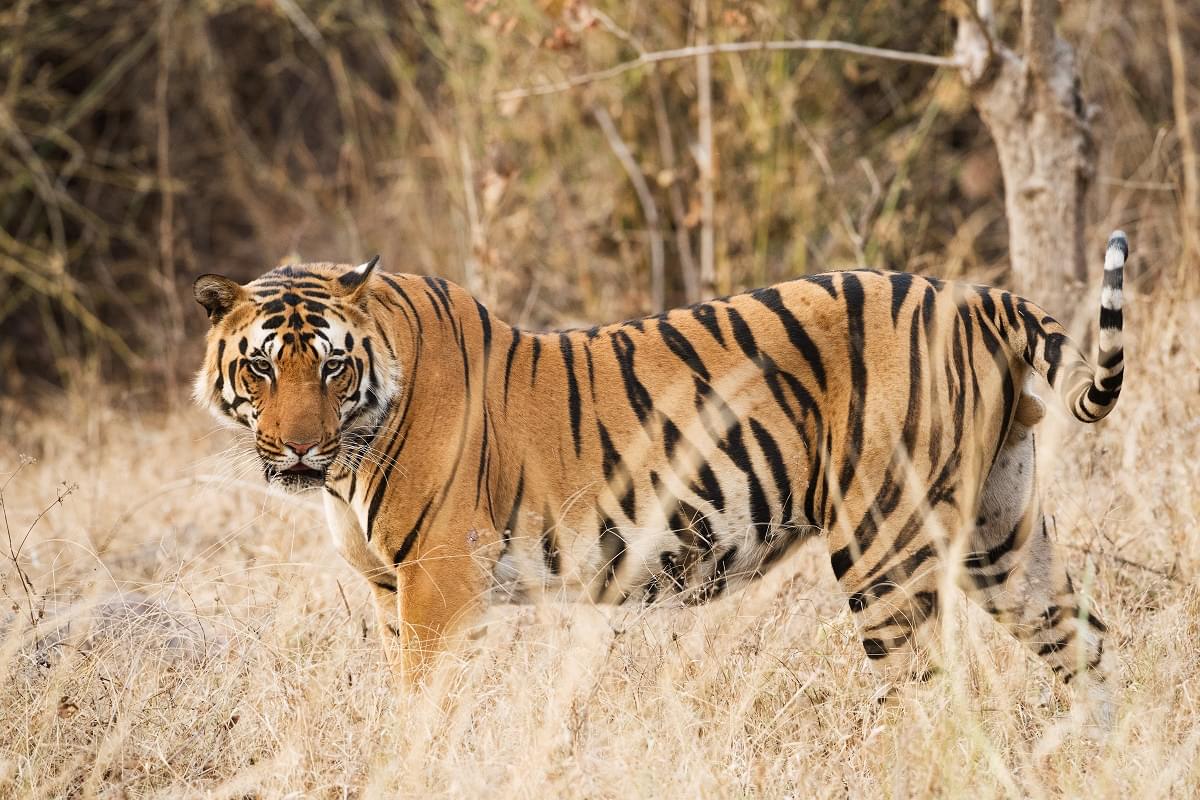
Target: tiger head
[(293, 357)]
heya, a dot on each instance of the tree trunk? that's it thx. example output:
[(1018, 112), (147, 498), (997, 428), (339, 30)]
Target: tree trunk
[(1031, 104)]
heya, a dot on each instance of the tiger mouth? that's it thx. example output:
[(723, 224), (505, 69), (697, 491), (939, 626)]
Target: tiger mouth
[(305, 471), (297, 477)]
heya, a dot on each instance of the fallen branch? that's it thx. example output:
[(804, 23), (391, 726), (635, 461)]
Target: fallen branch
[(1162, 573), (646, 59)]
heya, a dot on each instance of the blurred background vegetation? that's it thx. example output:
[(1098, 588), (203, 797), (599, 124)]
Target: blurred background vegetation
[(143, 143)]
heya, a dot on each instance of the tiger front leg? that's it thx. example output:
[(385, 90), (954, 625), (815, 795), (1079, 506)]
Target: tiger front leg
[(387, 617), (440, 595)]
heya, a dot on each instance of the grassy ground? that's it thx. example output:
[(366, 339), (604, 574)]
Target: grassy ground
[(193, 634)]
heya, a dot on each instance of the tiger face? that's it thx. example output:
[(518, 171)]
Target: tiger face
[(292, 358)]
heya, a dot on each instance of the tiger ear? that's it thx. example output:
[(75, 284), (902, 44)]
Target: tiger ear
[(217, 294), (355, 281)]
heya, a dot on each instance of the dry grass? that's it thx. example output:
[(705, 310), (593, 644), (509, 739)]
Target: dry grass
[(196, 635)]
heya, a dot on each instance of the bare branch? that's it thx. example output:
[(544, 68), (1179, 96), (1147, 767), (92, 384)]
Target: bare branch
[(1128, 562), (681, 53), (471, 265), (985, 14), (666, 147), (649, 209), (1037, 34), (975, 45), (704, 154)]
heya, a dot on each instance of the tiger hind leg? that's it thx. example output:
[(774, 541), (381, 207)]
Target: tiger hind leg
[(1013, 570), (894, 600)]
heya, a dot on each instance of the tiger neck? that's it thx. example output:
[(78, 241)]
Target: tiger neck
[(446, 452)]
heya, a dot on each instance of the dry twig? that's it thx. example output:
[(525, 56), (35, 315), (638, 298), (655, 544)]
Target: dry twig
[(831, 45), (645, 198)]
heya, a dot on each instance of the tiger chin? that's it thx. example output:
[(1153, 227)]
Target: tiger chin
[(675, 458)]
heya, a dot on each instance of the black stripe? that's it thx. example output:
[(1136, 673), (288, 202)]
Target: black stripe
[(841, 561), (901, 285), (717, 583), (706, 315), (875, 649), (550, 554), (852, 289), (274, 285), (617, 474), (709, 488), (772, 375), (919, 607), (1053, 647), (967, 315), (678, 344), (366, 343), (1101, 397), (734, 446), (692, 528), (979, 560), (388, 585), (219, 385), (612, 550), (672, 570), (1052, 352), (1010, 313), (771, 298), (485, 323), (481, 468), (1111, 318), (537, 355), (411, 538), (574, 407), (415, 318), (774, 457), (816, 475), (510, 527), (591, 371), (826, 281), (440, 288), (887, 498), (916, 362), (433, 301), (508, 363), (987, 302), (635, 392)]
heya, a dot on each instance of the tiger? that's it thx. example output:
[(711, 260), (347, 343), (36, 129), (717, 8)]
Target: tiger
[(672, 459)]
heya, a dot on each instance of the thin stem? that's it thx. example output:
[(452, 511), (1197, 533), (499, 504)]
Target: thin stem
[(704, 153), (700, 50), (649, 209)]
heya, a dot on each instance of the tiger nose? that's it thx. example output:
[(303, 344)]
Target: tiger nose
[(300, 448)]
